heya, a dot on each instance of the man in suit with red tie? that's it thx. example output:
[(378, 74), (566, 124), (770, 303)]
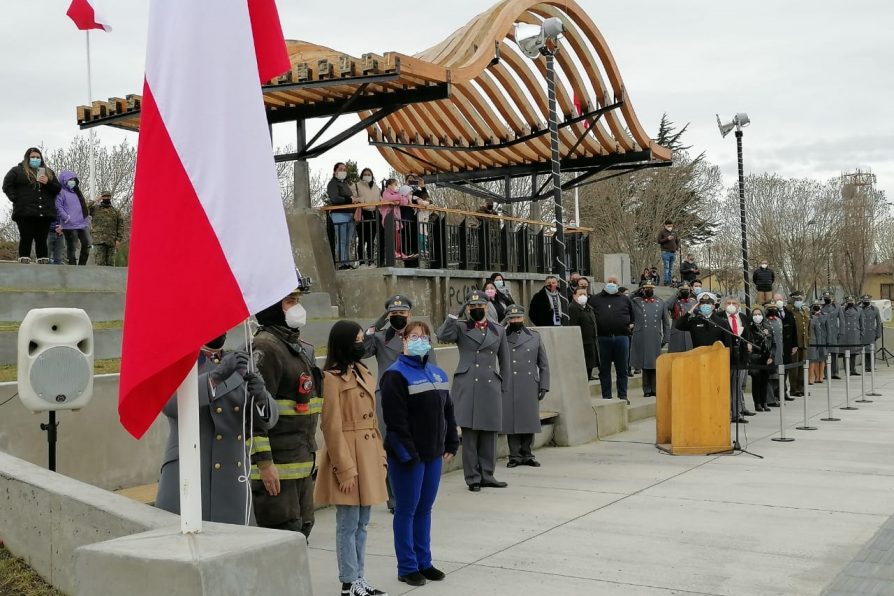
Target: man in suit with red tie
[(737, 341)]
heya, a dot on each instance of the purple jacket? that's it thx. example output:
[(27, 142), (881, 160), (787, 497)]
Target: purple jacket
[(68, 205)]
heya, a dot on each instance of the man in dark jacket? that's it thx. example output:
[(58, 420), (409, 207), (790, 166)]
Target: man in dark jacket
[(614, 324), (737, 338), (581, 314), (763, 278), (689, 270), (667, 240), (549, 307), (695, 321)]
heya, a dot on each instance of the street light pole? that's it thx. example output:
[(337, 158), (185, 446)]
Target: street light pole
[(559, 265), (743, 221)]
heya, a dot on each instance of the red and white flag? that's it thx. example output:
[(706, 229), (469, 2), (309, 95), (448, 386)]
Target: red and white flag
[(209, 242), (85, 17)]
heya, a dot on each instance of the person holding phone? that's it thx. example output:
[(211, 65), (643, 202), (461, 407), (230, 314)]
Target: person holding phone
[(32, 187)]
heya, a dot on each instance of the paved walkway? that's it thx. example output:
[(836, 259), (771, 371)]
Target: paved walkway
[(617, 517)]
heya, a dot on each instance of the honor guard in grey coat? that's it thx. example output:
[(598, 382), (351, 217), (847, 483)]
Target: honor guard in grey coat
[(679, 340), (530, 383), (479, 384), (385, 341), (872, 328), (227, 393), (850, 330), (819, 334), (650, 333), (832, 312)]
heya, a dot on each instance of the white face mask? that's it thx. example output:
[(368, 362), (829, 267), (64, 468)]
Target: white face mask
[(296, 317), (758, 318), (763, 265), (731, 309), (341, 175), (367, 179), (780, 304), (581, 300)]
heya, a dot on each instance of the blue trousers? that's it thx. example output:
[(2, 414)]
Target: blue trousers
[(613, 350), (350, 540), (415, 489), (667, 262), (343, 226)]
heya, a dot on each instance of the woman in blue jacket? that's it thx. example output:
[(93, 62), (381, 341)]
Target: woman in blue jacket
[(421, 434)]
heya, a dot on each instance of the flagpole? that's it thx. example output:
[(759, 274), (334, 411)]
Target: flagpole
[(91, 188), (576, 207), (190, 453)]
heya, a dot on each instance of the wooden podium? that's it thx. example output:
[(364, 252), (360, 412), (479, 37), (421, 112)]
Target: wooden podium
[(692, 403)]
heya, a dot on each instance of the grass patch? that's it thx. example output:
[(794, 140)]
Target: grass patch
[(100, 367), (13, 326), (17, 579)]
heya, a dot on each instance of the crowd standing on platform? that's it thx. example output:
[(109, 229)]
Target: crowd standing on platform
[(52, 215)]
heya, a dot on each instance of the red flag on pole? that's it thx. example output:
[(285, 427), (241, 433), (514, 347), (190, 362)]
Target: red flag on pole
[(209, 243), (85, 16)]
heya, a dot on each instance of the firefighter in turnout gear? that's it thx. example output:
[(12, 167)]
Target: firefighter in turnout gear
[(283, 457)]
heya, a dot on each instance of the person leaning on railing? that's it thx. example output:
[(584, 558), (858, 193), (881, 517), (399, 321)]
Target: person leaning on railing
[(395, 199), (339, 192)]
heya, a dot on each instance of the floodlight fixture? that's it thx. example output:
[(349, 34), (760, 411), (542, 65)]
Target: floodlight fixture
[(534, 40), (739, 121)]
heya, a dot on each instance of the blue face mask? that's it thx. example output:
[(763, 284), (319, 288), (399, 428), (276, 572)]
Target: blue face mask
[(34, 162), (418, 347), (706, 309), (611, 288), (798, 303), (71, 184), (697, 291)]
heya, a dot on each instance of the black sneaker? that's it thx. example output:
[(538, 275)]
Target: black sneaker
[(368, 590), (414, 579), (432, 574), (346, 589)]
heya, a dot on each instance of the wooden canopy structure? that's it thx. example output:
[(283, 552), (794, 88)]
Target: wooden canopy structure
[(468, 109)]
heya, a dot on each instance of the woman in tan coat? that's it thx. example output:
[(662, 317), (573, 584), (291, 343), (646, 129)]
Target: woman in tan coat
[(352, 466)]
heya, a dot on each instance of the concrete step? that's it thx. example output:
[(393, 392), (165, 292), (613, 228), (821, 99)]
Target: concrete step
[(634, 382), (106, 345), (99, 305), (54, 277)]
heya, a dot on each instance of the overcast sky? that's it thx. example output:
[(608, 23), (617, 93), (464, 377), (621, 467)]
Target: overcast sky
[(814, 76)]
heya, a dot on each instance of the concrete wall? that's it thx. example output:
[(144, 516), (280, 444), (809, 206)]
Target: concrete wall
[(99, 305), (16, 276), (45, 516)]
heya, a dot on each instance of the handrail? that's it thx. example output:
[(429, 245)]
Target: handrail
[(451, 211)]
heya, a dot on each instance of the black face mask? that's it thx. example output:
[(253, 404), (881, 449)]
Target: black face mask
[(477, 314), (106, 203), (515, 327), (827, 300), (866, 303), (357, 351), (398, 321), (816, 309), (648, 293), (772, 313), (684, 294), (217, 343)]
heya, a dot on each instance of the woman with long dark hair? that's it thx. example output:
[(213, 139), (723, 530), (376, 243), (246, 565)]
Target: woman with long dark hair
[(421, 434), (32, 187), (72, 211), (352, 466), (367, 191)]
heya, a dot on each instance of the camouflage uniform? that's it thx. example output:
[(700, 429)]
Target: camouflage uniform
[(106, 227)]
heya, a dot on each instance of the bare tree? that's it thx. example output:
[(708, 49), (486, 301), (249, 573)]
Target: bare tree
[(115, 167), (861, 208)]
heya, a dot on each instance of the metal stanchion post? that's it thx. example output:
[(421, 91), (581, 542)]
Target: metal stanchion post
[(847, 381), (806, 426), (863, 399), (828, 381), (872, 363), (781, 438)]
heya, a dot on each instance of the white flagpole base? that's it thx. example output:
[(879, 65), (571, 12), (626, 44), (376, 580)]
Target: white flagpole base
[(190, 453)]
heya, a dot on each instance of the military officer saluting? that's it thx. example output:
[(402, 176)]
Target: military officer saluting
[(226, 391), (871, 320), (678, 339), (385, 341), (850, 330), (650, 333), (530, 382), (481, 379), (282, 485)]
